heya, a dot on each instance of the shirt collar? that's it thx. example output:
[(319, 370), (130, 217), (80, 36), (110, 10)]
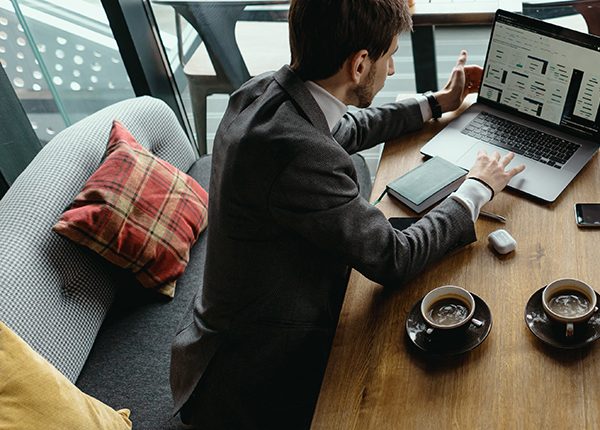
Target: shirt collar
[(332, 108)]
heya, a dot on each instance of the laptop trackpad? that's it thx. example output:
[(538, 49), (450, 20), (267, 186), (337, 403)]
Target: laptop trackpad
[(467, 160)]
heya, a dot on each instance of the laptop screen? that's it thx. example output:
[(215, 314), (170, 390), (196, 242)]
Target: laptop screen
[(545, 73)]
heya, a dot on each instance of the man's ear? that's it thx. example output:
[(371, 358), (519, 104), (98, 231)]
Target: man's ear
[(358, 64)]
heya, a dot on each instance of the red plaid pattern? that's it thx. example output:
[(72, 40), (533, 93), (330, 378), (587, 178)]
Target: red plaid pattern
[(139, 212)]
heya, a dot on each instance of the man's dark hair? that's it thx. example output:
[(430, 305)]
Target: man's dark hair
[(324, 33)]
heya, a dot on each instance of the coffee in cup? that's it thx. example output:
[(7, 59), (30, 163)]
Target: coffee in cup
[(448, 307), (569, 301)]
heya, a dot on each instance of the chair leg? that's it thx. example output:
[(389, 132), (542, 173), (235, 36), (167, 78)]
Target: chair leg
[(200, 89), (198, 94), (199, 109)]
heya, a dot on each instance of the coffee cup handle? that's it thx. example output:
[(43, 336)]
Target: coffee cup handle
[(477, 323), (569, 329)]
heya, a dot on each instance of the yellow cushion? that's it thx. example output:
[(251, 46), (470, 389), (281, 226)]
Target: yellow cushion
[(34, 395)]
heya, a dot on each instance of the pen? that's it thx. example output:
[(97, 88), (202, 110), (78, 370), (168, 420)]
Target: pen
[(492, 216)]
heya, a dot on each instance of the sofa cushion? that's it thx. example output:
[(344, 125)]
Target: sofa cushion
[(133, 347), (139, 212), (34, 395)]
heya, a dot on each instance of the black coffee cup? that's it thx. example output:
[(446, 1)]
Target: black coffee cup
[(448, 308), (569, 302)]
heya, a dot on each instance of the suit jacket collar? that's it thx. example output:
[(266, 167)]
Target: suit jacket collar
[(297, 90)]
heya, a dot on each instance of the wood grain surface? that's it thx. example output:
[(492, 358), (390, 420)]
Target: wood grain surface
[(376, 379)]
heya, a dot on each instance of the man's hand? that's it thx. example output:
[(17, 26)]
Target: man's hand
[(491, 169), (463, 81)]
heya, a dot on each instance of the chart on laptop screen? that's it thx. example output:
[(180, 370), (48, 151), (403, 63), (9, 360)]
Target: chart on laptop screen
[(544, 77)]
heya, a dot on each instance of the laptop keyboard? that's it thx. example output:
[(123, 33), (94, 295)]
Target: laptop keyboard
[(519, 139)]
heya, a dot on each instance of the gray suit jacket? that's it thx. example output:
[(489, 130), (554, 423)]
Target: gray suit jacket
[(286, 223)]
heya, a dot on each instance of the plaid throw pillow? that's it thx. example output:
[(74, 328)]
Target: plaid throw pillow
[(139, 212)]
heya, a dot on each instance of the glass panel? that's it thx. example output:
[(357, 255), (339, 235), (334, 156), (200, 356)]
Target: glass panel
[(450, 41), (260, 34), (180, 41), (62, 60)]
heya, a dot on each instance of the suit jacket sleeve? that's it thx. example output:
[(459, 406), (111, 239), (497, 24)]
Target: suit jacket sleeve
[(368, 127), (316, 197)]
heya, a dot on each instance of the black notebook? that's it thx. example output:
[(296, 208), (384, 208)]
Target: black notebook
[(427, 184)]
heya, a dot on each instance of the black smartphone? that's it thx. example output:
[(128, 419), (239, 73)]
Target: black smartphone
[(400, 223), (587, 214)]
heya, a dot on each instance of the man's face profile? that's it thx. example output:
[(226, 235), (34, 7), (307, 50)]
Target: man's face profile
[(373, 83), (365, 92)]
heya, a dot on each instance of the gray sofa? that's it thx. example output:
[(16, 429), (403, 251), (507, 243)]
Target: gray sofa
[(88, 318)]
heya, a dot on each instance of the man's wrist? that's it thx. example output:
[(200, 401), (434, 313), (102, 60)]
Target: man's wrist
[(434, 104), (485, 184), (443, 98), (473, 195), (423, 107)]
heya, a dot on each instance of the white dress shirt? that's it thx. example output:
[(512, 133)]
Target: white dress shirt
[(471, 194)]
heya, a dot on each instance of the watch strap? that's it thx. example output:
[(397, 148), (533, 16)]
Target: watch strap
[(436, 109)]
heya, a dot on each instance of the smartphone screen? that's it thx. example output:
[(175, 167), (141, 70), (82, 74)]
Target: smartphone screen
[(587, 214)]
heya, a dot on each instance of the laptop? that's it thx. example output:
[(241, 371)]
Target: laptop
[(539, 98)]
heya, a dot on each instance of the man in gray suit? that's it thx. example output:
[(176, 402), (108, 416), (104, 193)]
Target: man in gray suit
[(287, 220)]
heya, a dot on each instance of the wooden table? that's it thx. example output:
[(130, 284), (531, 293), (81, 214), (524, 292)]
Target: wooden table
[(376, 379)]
